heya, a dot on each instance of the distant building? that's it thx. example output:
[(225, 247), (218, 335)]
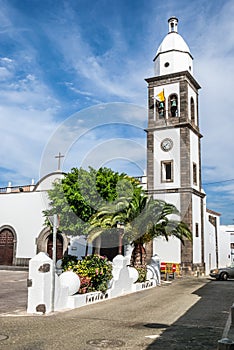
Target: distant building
[(226, 245)]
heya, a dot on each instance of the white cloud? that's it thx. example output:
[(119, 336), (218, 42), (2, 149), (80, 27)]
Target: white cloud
[(6, 60), (4, 73), (97, 128), (70, 85), (113, 73), (23, 135)]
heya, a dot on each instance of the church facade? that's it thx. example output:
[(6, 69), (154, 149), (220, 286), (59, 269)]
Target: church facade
[(173, 175)]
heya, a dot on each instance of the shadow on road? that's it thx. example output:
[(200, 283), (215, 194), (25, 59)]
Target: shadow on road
[(202, 325)]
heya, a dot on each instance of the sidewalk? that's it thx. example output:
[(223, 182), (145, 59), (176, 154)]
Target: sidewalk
[(14, 268)]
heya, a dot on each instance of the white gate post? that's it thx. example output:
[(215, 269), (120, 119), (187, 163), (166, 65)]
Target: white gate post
[(39, 284)]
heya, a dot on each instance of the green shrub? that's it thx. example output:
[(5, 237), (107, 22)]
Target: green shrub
[(68, 262), (95, 272)]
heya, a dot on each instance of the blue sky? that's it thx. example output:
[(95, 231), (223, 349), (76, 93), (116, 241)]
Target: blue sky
[(60, 57)]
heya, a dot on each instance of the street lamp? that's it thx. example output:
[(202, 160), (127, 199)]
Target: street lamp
[(120, 227)]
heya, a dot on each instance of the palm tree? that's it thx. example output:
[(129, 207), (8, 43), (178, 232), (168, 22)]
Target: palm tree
[(144, 218), (106, 220), (155, 220)]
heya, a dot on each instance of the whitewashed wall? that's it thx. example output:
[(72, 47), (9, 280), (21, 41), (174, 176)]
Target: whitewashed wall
[(196, 208), (224, 239), (179, 61), (77, 247), (23, 212), (194, 151), (160, 155), (209, 246), (168, 251)]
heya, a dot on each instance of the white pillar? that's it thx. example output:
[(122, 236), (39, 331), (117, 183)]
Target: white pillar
[(39, 284)]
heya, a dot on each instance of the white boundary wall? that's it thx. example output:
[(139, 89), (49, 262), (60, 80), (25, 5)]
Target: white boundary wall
[(43, 298)]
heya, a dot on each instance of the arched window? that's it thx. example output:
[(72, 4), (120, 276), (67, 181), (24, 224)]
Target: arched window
[(192, 110), (173, 105)]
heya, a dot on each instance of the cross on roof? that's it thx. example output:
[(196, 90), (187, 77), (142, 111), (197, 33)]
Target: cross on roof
[(59, 156)]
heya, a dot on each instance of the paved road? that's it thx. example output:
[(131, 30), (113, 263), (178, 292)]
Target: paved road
[(187, 314), (13, 292)]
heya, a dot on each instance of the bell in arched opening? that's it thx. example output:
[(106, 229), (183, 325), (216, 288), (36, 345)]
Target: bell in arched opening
[(174, 106)]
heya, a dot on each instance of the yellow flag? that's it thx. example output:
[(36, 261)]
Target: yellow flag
[(160, 97)]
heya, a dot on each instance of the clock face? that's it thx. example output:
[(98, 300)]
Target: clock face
[(166, 145)]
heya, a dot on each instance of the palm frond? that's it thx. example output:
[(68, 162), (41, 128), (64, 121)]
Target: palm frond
[(94, 233)]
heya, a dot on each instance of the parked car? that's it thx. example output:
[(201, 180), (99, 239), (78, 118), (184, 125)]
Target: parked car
[(222, 273)]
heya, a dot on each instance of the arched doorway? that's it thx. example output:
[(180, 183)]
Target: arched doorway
[(45, 243), (59, 246), (6, 247)]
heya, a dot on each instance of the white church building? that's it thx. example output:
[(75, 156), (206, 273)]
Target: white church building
[(173, 175)]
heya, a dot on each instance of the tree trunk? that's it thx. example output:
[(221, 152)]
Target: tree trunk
[(138, 258), (97, 245), (149, 251)]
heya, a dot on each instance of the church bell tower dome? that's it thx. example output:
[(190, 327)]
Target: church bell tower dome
[(173, 54)]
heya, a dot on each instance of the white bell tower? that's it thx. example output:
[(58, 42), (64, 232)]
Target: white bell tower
[(173, 54), (173, 143)]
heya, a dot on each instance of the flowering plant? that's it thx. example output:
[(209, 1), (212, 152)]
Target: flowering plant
[(95, 272), (85, 283)]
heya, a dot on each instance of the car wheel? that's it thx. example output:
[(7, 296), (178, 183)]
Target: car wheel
[(224, 276)]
